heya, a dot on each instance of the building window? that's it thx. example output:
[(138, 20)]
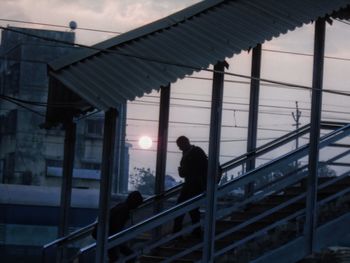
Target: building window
[(9, 168), (54, 163), (8, 123), (12, 122), (11, 80), (94, 127), (91, 166)]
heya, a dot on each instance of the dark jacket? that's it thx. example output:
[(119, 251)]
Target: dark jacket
[(120, 213), (194, 167)]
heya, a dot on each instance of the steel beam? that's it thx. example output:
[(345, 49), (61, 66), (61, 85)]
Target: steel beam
[(66, 188), (162, 144), (120, 181), (253, 112), (316, 107), (106, 183), (213, 162)]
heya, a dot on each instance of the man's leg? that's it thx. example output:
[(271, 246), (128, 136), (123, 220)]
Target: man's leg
[(179, 220), (178, 223), (196, 217)]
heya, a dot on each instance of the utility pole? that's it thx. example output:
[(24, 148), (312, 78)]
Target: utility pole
[(296, 116)]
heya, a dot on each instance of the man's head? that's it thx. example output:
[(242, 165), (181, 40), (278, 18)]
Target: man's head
[(183, 143), (134, 199)]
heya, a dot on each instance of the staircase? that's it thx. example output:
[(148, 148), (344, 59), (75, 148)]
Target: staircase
[(266, 226), (259, 236)]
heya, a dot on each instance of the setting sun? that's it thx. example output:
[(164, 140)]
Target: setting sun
[(145, 142)]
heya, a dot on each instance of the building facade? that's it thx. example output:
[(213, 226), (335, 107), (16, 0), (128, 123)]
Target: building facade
[(29, 154)]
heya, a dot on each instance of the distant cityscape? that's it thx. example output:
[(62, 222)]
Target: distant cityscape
[(29, 154)]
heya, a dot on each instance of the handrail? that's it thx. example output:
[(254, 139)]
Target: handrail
[(151, 222), (278, 207), (265, 148), (86, 229), (72, 236), (276, 143), (225, 167), (186, 206)]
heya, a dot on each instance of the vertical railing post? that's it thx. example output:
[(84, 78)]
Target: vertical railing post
[(162, 138), (66, 187), (120, 181), (162, 144), (253, 112), (213, 162), (316, 106), (106, 183)]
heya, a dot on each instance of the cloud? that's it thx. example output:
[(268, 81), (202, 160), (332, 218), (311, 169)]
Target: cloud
[(96, 6), (114, 15)]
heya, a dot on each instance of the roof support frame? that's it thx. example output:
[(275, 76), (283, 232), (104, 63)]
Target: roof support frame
[(121, 169), (163, 128), (66, 186), (253, 110), (316, 108), (162, 144), (106, 183), (213, 160)]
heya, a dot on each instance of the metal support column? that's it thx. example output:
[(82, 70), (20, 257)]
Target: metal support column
[(106, 183), (162, 149), (162, 138), (213, 162), (67, 177), (253, 111), (120, 171), (66, 188), (316, 105)]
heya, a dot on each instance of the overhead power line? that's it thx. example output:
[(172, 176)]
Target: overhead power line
[(21, 105), (69, 105), (342, 21), (59, 26), (39, 103), (228, 73), (242, 104), (178, 64), (274, 84), (303, 54), (119, 33)]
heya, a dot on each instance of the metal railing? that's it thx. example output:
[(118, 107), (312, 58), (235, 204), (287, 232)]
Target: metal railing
[(165, 216)]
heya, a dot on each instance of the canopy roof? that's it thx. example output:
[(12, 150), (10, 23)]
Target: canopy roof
[(154, 55)]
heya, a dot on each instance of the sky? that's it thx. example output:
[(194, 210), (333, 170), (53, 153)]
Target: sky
[(113, 15), (276, 103)]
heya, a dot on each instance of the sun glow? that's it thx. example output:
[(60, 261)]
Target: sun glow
[(145, 142)]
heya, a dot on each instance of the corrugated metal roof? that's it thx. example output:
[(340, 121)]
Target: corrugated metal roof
[(198, 36)]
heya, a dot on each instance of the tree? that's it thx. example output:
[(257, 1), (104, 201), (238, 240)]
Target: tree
[(143, 180), (325, 171)]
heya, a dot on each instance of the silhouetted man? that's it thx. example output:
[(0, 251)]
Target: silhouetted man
[(193, 168), (119, 215)]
